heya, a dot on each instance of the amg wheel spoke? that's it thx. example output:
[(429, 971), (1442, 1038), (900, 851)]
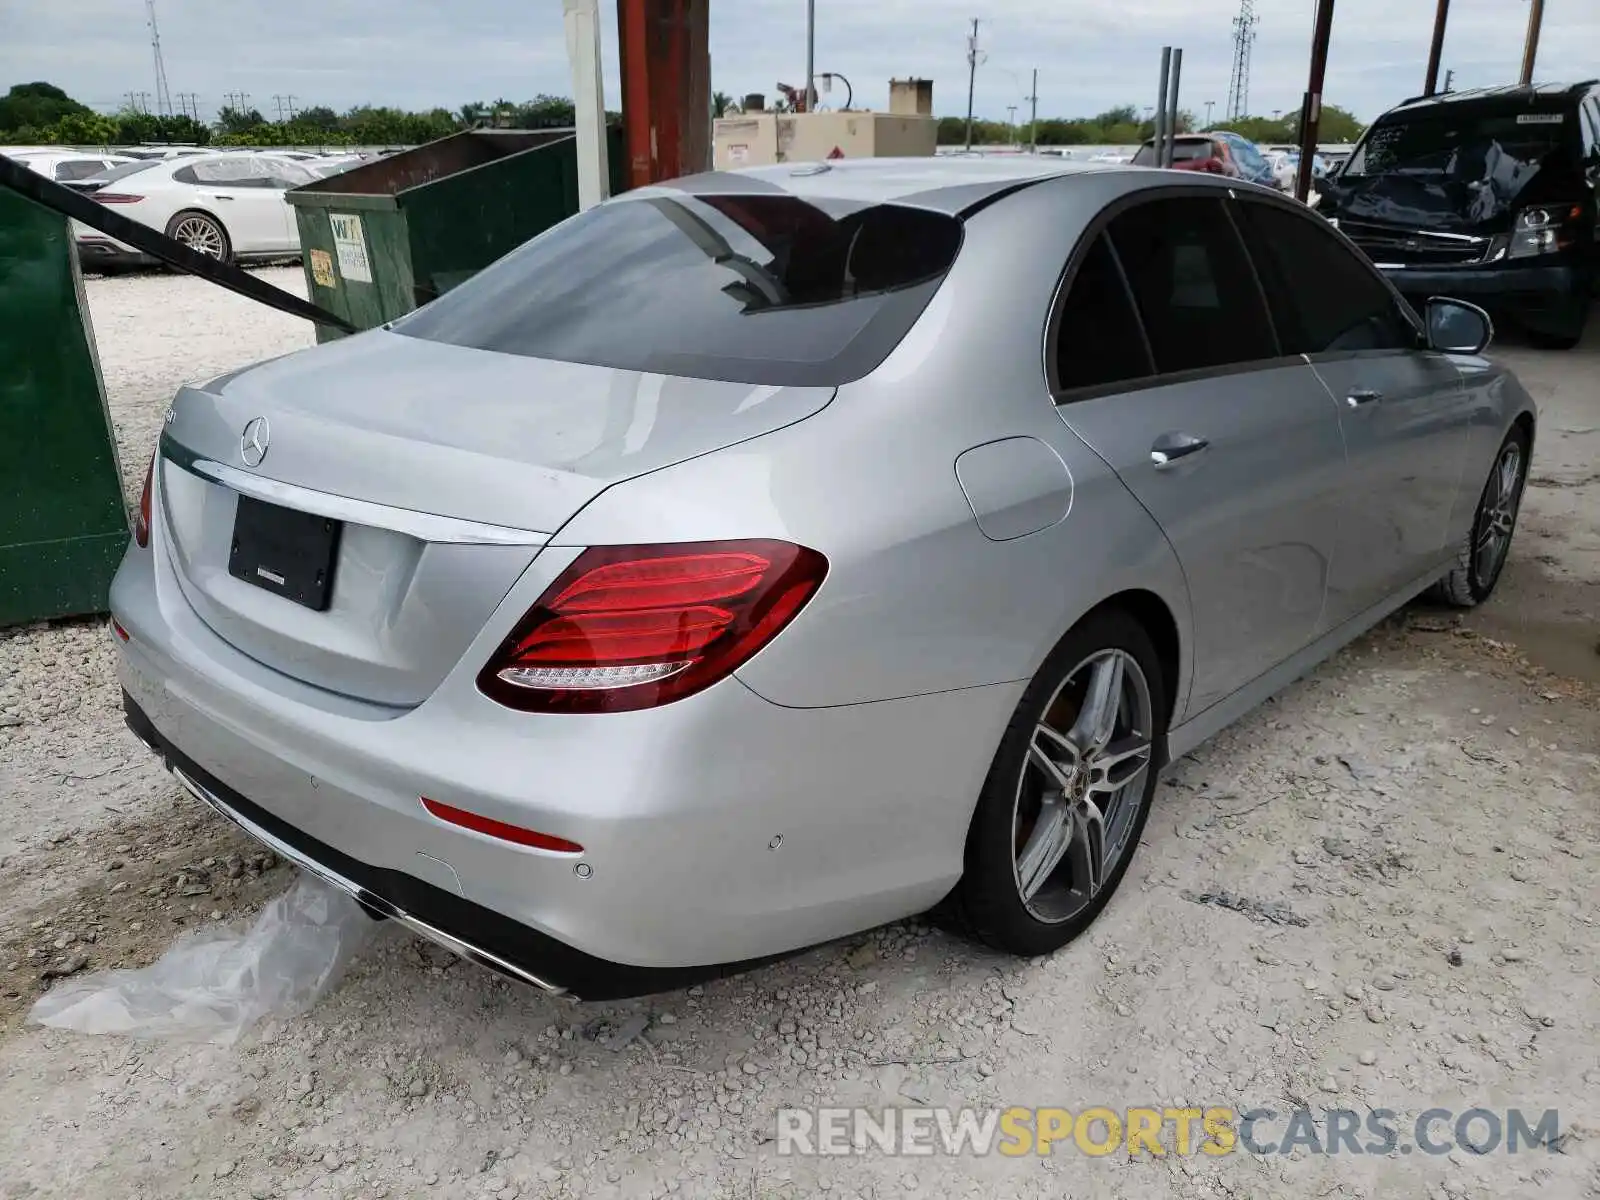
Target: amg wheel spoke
[(1047, 845), (1119, 763), (1088, 849), (1097, 718), (1046, 752), (1510, 466)]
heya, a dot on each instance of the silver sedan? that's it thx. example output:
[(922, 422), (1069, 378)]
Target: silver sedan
[(760, 557)]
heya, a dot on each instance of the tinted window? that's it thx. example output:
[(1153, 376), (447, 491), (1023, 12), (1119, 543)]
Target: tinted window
[(1099, 339), (773, 289), (1324, 298), (1193, 284), (1458, 145)]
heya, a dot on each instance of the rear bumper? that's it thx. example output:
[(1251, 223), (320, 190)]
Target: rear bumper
[(717, 830), (1553, 297), (105, 252)]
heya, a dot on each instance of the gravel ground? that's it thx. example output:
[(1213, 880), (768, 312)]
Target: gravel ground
[(1376, 891)]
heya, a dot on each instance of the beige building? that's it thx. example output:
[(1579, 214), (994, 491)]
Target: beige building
[(760, 138)]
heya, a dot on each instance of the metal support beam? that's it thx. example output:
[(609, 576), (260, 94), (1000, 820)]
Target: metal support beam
[(1311, 106), (589, 100), (1172, 107), (1160, 132), (1430, 82), (1530, 49)]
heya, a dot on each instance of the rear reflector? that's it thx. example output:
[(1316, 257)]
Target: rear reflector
[(499, 829), (630, 627)]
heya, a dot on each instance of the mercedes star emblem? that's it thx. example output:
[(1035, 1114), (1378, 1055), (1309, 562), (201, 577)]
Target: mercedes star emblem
[(254, 441)]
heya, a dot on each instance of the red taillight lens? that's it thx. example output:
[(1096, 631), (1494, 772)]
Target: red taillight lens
[(116, 197), (141, 523), (629, 627)]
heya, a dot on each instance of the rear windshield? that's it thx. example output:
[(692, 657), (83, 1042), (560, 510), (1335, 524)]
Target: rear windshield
[(1183, 150), (120, 171), (767, 289), (1460, 145)]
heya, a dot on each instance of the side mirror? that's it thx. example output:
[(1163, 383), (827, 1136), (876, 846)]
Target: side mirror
[(1456, 327)]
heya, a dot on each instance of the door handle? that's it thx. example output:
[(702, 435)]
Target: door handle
[(1361, 397), (220, 196), (1169, 448)]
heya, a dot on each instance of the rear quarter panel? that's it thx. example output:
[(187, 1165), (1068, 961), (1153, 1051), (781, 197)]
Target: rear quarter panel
[(918, 599)]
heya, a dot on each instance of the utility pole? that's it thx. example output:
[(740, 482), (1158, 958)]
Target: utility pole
[(972, 75), (1011, 122), (133, 101), (811, 55), (1530, 49), (163, 96), (1311, 109), (1210, 104), (278, 100), (1033, 115), (1436, 49), (1448, 76), (144, 101)]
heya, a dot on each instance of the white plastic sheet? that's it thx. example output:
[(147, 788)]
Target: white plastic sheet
[(215, 983)]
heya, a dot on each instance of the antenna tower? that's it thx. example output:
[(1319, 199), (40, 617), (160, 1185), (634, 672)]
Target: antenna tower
[(163, 96), (1244, 36)]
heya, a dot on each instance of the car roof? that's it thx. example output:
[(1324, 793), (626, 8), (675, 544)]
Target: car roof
[(946, 183), (1507, 94)]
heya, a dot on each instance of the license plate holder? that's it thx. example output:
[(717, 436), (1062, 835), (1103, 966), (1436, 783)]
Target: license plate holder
[(284, 551)]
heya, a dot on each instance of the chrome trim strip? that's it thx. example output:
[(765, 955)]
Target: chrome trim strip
[(427, 527), (354, 890)]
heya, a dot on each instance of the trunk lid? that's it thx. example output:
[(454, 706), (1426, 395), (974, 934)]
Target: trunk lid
[(449, 469)]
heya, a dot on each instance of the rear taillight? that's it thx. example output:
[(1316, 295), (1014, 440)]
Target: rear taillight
[(141, 522), (116, 197), (629, 627)]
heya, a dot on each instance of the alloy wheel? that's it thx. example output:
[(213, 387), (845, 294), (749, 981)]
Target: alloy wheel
[(200, 234), (1078, 793), (1498, 516)]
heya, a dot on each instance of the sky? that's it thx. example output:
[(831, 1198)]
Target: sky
[(1091, 54)]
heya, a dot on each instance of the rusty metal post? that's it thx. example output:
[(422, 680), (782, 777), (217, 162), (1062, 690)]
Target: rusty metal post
[(666, 87), (1530, 49), (1311, 106), (1430, 82)]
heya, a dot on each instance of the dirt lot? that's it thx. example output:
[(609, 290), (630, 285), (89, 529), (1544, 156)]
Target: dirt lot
[(1398, 855)]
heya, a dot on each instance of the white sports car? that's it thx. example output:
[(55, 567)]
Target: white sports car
[(64, 165), (229, 206)]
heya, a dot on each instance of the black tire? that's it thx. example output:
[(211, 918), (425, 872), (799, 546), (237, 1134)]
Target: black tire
[(1471, 581), (218, 232), (987, 903)]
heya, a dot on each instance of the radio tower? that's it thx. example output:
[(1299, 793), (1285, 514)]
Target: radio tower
[(1244, 35), (163, 96)]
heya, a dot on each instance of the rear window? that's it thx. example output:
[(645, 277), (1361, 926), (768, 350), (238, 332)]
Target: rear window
[(1183, 150), (1461, 145), (767, 289), (121, 171)]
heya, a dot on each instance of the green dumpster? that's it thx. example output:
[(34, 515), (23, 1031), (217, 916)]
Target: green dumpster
[(383, 238), (64, 525)]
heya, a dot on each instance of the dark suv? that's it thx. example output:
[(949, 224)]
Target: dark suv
[(1488, 195)]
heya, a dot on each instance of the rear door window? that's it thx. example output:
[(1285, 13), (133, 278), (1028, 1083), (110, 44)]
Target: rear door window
[(770, 288), (1193, 284), (1098, 338), (1325, 299)]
